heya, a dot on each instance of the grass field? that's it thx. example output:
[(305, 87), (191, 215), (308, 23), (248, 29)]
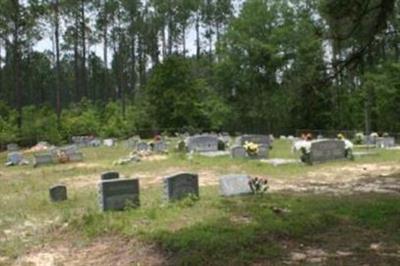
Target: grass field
[(357, 228)]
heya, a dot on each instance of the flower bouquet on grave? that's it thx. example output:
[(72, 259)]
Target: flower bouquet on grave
[(62, 157), (258, 185), (252, 149)]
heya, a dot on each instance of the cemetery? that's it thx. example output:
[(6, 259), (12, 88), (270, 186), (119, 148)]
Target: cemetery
[(187, 194), (199, 132)]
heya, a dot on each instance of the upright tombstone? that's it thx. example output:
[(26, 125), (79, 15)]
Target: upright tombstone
[(181, 185), (142, 146), (58, 193), (263, 150), (109, 142), (12, 147), (160, 147), (203, 143), (327, 150), (385, 142), (42, 159), (238, 152), (117, 194), (232, 185), (109, 175), (14, 158)]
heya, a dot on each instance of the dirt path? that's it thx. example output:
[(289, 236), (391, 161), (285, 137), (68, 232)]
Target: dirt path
[(103, 251), (378, 178)]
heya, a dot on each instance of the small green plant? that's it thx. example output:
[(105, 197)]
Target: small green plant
[(258, 185), (188, 201)]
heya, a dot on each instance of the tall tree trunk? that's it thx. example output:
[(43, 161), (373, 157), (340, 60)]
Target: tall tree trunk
[(198, 36), (1, 74), (184, 39), (83, 35), (76, 61), (170, 40), (106, 92), (163, 42), (17, 63), (58, 65), (133, 63)]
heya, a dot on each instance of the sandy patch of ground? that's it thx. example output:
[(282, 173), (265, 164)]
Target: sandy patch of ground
[(379, 178), (81, 181), (104, 251)]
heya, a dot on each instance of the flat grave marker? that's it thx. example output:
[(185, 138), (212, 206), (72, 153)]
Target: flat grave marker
[(233, 185)]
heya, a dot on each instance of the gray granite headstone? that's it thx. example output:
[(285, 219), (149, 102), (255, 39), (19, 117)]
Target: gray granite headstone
[(159, 146), (203, 143), (12, 147), (42, 159), (109, 175), (238, 152), (231, 185), (263, 151), (142, 146), (14, 158), (327, 150), (385, 142), (181, 185), (58, 193), (117, 194)]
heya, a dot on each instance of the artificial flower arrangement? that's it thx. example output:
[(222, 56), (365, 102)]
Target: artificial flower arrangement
[(251, 148), (258, 185)]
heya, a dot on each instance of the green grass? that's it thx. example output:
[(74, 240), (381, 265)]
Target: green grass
[(213, 230)]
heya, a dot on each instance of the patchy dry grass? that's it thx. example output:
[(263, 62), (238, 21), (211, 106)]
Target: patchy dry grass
[(336, 215)]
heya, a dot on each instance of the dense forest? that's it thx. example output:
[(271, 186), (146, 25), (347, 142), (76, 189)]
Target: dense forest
[(169, 65)]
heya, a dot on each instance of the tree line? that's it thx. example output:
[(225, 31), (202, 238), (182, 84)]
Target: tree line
[(256, 65)]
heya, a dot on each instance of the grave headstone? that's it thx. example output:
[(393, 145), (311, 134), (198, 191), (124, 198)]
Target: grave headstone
[(58, 193), (202, 143), (385, 142), (181, 185), (12, 147), (42, 159), (118, 194), (142, 146), (160, 146), (232, 185), (14, 158), (109, 142), (238, 152), (327, 150), (263, 151), (109, 175)]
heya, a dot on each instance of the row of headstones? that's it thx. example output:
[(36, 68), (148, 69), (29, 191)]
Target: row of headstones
[(71, 152), (117, 194), (380, 142), (209, 143), (157, 146)]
